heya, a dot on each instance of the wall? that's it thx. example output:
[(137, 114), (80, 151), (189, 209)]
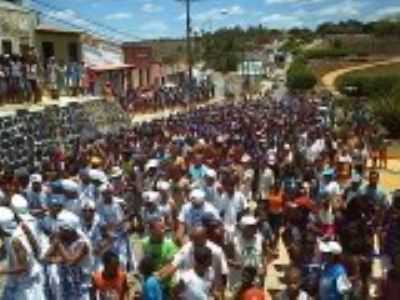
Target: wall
[(60, 41), (17, 25)]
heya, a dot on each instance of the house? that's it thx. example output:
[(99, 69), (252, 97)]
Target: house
[(148, 71), (63, 44), (17, 24)]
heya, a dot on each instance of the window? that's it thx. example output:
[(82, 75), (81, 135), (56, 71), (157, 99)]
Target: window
[(6, 45), (48, 51), (73, 54)]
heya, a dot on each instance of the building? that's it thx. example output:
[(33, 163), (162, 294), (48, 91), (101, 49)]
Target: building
[(63, 44), (148, 72), (17, 24)]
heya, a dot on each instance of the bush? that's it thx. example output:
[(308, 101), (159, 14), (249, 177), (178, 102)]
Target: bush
[(369, 85), (300, 77), (335, 52), (386, 109)]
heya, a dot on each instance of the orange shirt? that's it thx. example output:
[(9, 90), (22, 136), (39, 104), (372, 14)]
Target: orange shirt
[(115, 286), (275, 202), (255, 294)]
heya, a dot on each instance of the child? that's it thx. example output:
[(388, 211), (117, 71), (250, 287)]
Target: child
[(152, 289), (248, 288), (111, 282), (293, 291)]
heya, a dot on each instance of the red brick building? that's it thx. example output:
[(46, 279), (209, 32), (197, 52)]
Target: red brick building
[(149, 72)]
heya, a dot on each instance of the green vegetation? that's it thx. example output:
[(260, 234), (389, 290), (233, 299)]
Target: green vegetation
[(300, 77), (372, 82), (381, 87)]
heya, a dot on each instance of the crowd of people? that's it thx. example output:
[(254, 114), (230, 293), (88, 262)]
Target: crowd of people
[(194, 206), (19, 80), (166, 97)]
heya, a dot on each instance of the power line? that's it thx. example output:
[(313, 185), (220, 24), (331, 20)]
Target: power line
[(103, 27)]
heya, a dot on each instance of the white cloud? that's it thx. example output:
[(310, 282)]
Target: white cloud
[(118, 16), (342, 9), (70, 18), (151, 8), (282, 21), (217, 13), (154, 27)]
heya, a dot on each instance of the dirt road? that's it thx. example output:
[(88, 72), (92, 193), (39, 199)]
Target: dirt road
[(329, 79)]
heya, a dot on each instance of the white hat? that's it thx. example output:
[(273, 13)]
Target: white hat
[(88, 203), (116, 172), (248, 221), (7, 220), (106, 187), (97, 175), (68, 220), (152, 163), (151, 196), (286, 146), (211, 173), (69, 185), (19, 204), (197, 196), (245, 158), (36, 178), (163, 185), (330, 247)]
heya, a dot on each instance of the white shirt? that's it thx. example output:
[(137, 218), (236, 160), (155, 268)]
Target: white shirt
[(184, 259), (230, 207), (196, 287), (249, 252), (191, 216), (302, 296), (266, 181)]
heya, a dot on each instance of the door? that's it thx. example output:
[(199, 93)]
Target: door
[(6, 46), (48, 51)]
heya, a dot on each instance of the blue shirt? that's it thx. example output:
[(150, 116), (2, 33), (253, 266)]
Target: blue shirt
[(328, 287), (152, 289)]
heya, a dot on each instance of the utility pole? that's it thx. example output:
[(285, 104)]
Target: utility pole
[(189, 42)]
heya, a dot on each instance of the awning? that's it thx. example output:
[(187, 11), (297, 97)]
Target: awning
[(111, 67)]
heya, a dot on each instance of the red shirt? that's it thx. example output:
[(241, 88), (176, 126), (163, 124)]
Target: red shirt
[(115, 286)]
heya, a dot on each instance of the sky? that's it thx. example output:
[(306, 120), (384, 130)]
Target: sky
[(144, 19)]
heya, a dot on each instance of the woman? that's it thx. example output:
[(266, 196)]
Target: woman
[(276, 204), (73, 251), (24, 279)]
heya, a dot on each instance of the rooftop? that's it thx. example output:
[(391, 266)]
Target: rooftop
[(54, 29)]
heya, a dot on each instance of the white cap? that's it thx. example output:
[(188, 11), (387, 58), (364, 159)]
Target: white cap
[(69, 185), (245, 158), (163, 185), (36, 178), (330, 247), (197, 196), (106, 187), (19, 204), (88, 204), (286, 146), (68, 220), (7, 220), (116, 172), (151, 196), (211, 173), (152, 163), (248, 221), (98, 175)]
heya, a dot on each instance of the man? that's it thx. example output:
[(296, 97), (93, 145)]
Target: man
[(198, 281), (373, 192), (36, 196), (192, 213), (231, 207), (166, 204), (354, 189), (86, 188), (334, 283), (212, 187), (184, 259), (293, 283), (24, 280), (197, 170), (71, 193)]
